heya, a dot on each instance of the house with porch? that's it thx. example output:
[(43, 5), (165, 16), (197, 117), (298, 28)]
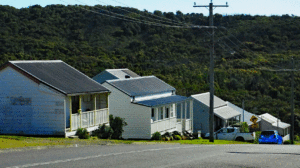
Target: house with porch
[(49, 98), (148, 105), (224, 115), (269, 122)]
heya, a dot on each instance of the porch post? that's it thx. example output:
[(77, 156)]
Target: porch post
[(181, 112), (70, 110), (156, 114), (107, 106), (185, 110), (79, 110), (192, 115), (95, 107)]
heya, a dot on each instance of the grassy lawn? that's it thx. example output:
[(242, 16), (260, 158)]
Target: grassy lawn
[(7, 142)]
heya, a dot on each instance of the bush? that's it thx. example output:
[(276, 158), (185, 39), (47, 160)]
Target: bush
[(257, 135), (287, 142), (117, 125), (297, 138), (244, 127), (167, 134), (82, 133), (177, 137), (156, 136), (176, 133), (103, 132)]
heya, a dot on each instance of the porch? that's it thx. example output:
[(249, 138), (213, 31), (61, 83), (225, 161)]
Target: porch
[(81, 115), (172, 117), (225, 117)]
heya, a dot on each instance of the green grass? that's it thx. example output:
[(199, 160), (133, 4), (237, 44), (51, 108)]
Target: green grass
[(7, 142)]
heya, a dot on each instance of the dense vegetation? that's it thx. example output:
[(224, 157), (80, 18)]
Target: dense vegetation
[(92, 42)]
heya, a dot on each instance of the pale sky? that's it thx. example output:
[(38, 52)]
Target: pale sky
[(252, 7)]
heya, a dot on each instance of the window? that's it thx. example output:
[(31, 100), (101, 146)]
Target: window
[(167, 112), (161, 113), (152, 113), (172, 111)]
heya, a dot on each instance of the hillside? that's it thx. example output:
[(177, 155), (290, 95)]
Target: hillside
[(91, 41)]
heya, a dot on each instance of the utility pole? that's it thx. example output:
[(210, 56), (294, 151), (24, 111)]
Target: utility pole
[(211, 73), (292, 96), (243, 110), (292, 104)]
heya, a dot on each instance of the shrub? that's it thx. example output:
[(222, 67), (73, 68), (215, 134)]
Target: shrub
[(257, 135), (297, 138), (82, 133), (167, 138), (244, 127), (171, 138), (195, 136), (177, 137), (176, 133), (156, 136), (287, 142), (117, 125), (167, 134), (103, 132)]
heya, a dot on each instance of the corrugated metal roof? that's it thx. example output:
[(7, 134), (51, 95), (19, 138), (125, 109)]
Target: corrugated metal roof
[(162, 101), (226, 112), (60, 76), (204, 98), (131, 73), (273, 120), (121, 73), (248, 115), (281, 125), (141, 86)]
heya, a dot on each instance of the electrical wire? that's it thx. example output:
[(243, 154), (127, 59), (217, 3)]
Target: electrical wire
[(142, 22)]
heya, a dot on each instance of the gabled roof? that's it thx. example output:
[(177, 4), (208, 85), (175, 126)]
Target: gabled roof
[(273, 120), (58, 75), (162, 101), (205, 98), (247, 115), (121, 73), (226, 112), (141, 86)]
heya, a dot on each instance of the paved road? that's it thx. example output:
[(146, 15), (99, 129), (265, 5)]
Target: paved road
[(156, 156)]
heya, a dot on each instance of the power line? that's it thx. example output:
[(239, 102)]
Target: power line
[(170, 21), (143, 22)]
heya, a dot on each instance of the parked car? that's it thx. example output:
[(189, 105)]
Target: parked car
[(232, 133), (270, 136)]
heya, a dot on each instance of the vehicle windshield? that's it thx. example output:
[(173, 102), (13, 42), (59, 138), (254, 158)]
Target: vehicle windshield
[(267, 133)]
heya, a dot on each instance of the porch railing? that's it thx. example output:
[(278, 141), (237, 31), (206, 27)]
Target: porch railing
[(187, 125), (163, 125), (89, 119)]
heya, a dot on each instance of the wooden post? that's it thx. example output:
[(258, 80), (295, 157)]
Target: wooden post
[(70, 110)]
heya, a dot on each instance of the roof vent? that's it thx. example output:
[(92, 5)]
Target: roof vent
[(127, 76)]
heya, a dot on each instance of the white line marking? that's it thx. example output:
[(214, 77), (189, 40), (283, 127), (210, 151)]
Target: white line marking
[(92, 157)]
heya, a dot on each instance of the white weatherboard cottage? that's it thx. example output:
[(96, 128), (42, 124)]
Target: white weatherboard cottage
[(269, 122), (147, 104), (49, 98), (224, 115)]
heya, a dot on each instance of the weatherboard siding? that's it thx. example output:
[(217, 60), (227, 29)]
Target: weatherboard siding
[(27, 107), (200, 117), (136, 116)]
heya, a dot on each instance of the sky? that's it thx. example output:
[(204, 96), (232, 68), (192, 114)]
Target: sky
[(252, 7)]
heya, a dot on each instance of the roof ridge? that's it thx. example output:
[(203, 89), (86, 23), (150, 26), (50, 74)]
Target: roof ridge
[(35, 61), (116, 69), (114, 80)]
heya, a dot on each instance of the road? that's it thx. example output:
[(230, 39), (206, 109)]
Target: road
[(158, 155)]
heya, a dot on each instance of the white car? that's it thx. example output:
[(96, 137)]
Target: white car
[(232, 133)]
